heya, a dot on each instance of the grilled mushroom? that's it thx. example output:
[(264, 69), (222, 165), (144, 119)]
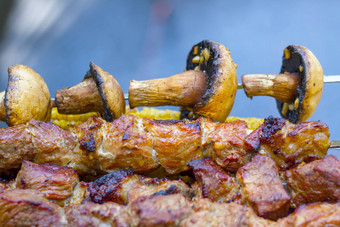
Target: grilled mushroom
[(207, 87), (25, 98), (298, 87), (98, 92), (300, 60)]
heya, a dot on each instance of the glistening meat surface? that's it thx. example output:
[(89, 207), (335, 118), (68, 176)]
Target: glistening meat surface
[(142, 145)]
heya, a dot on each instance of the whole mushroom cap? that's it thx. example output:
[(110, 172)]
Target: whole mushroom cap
[(216, 62), (27, 96), (299, 59)]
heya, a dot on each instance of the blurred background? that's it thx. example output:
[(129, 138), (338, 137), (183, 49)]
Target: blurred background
[(135, 39)]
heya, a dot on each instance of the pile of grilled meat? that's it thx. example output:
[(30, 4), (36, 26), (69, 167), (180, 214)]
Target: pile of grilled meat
[(218, 174)]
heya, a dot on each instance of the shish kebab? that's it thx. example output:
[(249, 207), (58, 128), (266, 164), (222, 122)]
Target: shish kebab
[(265, 194), (142, 144), (207, 88)]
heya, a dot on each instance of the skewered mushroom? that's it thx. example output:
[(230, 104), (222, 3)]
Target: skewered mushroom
[(208, 86), (98, 92), (26, 97), (297, 89)]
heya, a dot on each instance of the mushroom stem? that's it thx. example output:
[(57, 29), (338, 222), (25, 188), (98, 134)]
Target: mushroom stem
[(184, 89), (81, 98), (2, 106), (280, 86)]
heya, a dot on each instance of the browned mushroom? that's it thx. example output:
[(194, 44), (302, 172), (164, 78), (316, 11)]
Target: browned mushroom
[(98, 92), (26, 97), (208, 86), (297, 88)]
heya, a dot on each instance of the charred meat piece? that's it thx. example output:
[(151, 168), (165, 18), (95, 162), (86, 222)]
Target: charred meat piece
[(316, 181), (263, 189), (93, 214), (315, 214), (29, 208), (213, 182), (289, 144), (159, 210), (124, 187)]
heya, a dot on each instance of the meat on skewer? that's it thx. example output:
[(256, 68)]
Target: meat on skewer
[(28, 207), (258, 184), (142, 144), (61, 185), (315, 181)]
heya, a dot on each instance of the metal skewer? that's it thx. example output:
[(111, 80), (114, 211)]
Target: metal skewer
[(335, 144)]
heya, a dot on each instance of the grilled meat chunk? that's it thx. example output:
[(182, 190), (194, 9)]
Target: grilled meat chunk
[(213, 182), (124, 187), (206, 213), (175, 142), (313, 215), (29, 208), (159, 210), (55, 182), (61, 184), (291, 144), (316, 181), (226, 143), (141, 145), (93, 215), (263, 189), (39, 142), (125, 144)]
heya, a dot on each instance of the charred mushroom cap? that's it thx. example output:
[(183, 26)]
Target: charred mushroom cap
[(110, 92), (298, 59), (26, 96), (214, 59)]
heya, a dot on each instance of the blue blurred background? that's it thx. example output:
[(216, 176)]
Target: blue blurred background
[(135, 39)]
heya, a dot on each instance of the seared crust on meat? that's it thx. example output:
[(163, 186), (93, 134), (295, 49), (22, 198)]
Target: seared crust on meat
[(123, 187), (175, 142), (214, 183), (29, 208), (263, 189), (15, 146), (55, 182), (126, 145), (226, 143), (159, 210), (93, 215), (37, 141), (289, 144), (313, 215), (316, 181)]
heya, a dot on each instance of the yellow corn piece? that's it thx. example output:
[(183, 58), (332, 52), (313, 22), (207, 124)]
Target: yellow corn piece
[(66, 121), (252, 122), (153, 113)]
